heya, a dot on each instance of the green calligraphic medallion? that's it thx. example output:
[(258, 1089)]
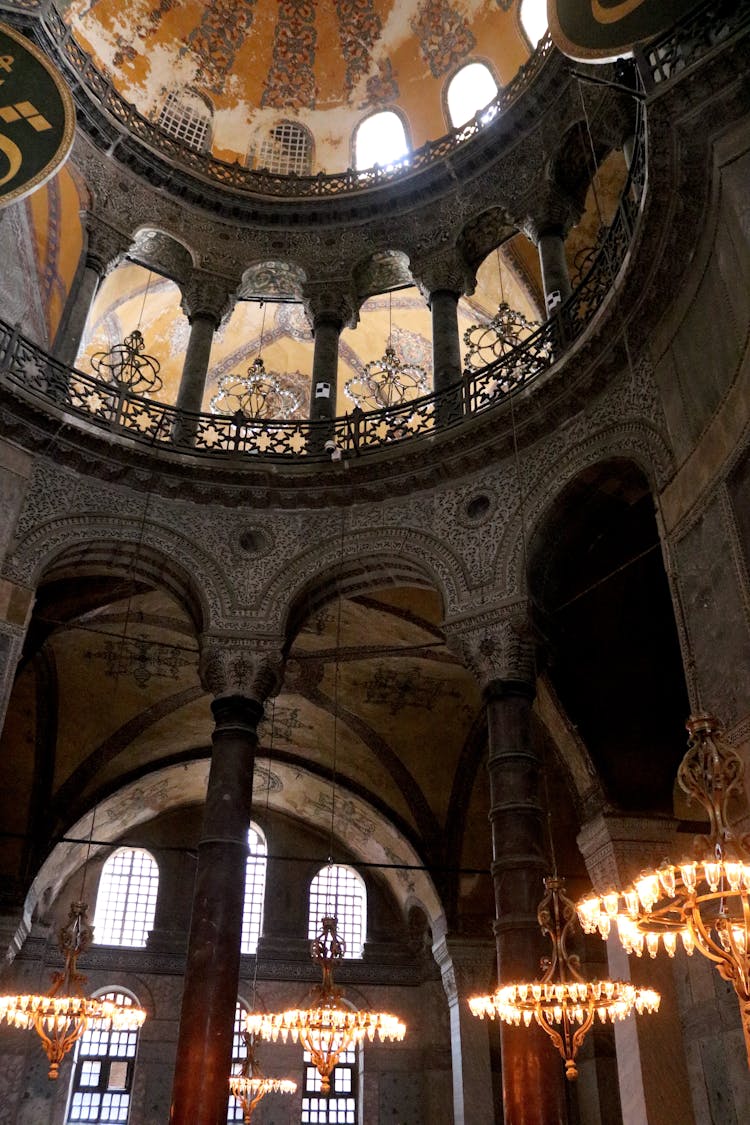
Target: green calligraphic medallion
[(37, 117), (604, 29)]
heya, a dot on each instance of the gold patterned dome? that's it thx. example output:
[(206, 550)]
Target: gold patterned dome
[(247, 66)]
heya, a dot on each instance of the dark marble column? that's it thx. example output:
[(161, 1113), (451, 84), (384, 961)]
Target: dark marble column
[(554, 266), (443, 277), (446, 350), (104, 249), (205, 301), (327, 331), (533, 1082), (204, 1048)]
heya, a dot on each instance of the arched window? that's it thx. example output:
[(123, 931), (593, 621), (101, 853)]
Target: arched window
[(380, 139), (340, 1105), (340, 891), (102, 1079), (534, 19), (469, 90), (255, 890), (186, 116), (126, 900), (239, 1052), (286, 148)]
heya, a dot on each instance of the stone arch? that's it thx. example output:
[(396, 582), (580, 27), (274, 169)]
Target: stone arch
[(162, 252), (363, 829), (367, 558), (124, 545), (483, 233), (382, 271)]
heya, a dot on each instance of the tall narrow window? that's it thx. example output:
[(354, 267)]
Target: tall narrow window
[(339, 1107), (239, 1053), (286, 148), (380, 139), (255, 889), (534, 19), (102, 1080), (126, 900), (187, 117), (470, 90), (339, 891)]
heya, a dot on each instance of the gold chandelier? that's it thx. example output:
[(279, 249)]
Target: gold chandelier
[(61, 1016), (251, 1085), (704, 901), (387, 381), (254, 396), (562, 1002), (328, 1027)]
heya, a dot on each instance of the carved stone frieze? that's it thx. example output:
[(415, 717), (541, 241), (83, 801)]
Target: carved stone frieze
[(241, 666), (158, 251)]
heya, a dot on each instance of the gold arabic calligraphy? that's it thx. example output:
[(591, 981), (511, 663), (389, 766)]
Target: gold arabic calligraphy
[(618, 12)]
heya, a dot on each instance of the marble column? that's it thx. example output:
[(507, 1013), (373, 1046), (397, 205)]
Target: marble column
[(554, 267), (446, 350), (444, 277), (204, 1047), (205, 301), (466, 970), (533, 1082), (104, 249), (327, 332)]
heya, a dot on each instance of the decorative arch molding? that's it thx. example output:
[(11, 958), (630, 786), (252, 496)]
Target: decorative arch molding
[(359, 827), (363, 559), (158, 250), (638, 441), (147, 550)]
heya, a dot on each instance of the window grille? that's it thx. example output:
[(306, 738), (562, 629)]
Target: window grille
[(187, 118), (339, 1107), (255, 889), (380, 139), (102, 1080), (126, 900), (286, 148), (239, 1052), (340, 891), (469, 90)]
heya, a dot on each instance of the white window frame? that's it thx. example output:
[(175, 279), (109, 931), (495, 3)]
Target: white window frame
[(126, 1043), (181, 119), (255, 887), (121, 898), (333, 900)]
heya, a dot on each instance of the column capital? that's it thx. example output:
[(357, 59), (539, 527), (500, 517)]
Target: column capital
[(617, 847), (444, 270), (232, 666), (105, 245), (499, 648), (207, 295), (551, 211), (467, 966), (330, 300)]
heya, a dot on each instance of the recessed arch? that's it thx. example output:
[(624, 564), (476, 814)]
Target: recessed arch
[(162, 252)]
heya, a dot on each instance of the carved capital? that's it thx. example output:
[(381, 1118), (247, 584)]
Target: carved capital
[(617, 847), (467, 967), (105, 245), (443, 269), (234, 666), (495, 646), (550, 211), (330, 300), (207, 295)]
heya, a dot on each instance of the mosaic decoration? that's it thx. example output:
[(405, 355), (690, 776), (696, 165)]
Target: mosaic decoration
[(292, 320), (381, 87), (141, 658), (217, 39), (444, 35), (412, 347), (359, 27), (396, 690), (272, 279), (291, 80)]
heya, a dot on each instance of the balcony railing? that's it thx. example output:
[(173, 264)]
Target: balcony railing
[(28, 371)]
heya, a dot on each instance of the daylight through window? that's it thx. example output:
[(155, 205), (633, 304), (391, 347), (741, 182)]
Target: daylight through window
[(470, 90), (126, 900), (255, 889), (103, 1072), (187, 117), (380, 139), (340, 891)]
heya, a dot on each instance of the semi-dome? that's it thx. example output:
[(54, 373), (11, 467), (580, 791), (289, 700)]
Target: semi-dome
[(236, 75)]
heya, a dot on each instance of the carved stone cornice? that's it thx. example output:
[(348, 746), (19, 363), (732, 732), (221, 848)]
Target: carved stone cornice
[(206, 295), (443, 269), (496, 645), (466, 966), (105, 244), (617, 847), (235, 666), (331, 300)]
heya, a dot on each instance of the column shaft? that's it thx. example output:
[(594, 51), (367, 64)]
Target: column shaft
[(327, 330), (533, 1082), (72, 327), (195, 367), (204, 1048), (446, 354), (554, 265)]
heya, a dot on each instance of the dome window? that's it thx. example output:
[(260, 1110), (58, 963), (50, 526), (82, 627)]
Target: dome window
[(286, 150), (380, 139), (469, 90), (534, 20), (186, 116)]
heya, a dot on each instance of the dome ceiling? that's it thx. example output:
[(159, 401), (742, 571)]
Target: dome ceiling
[(327, 63)]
